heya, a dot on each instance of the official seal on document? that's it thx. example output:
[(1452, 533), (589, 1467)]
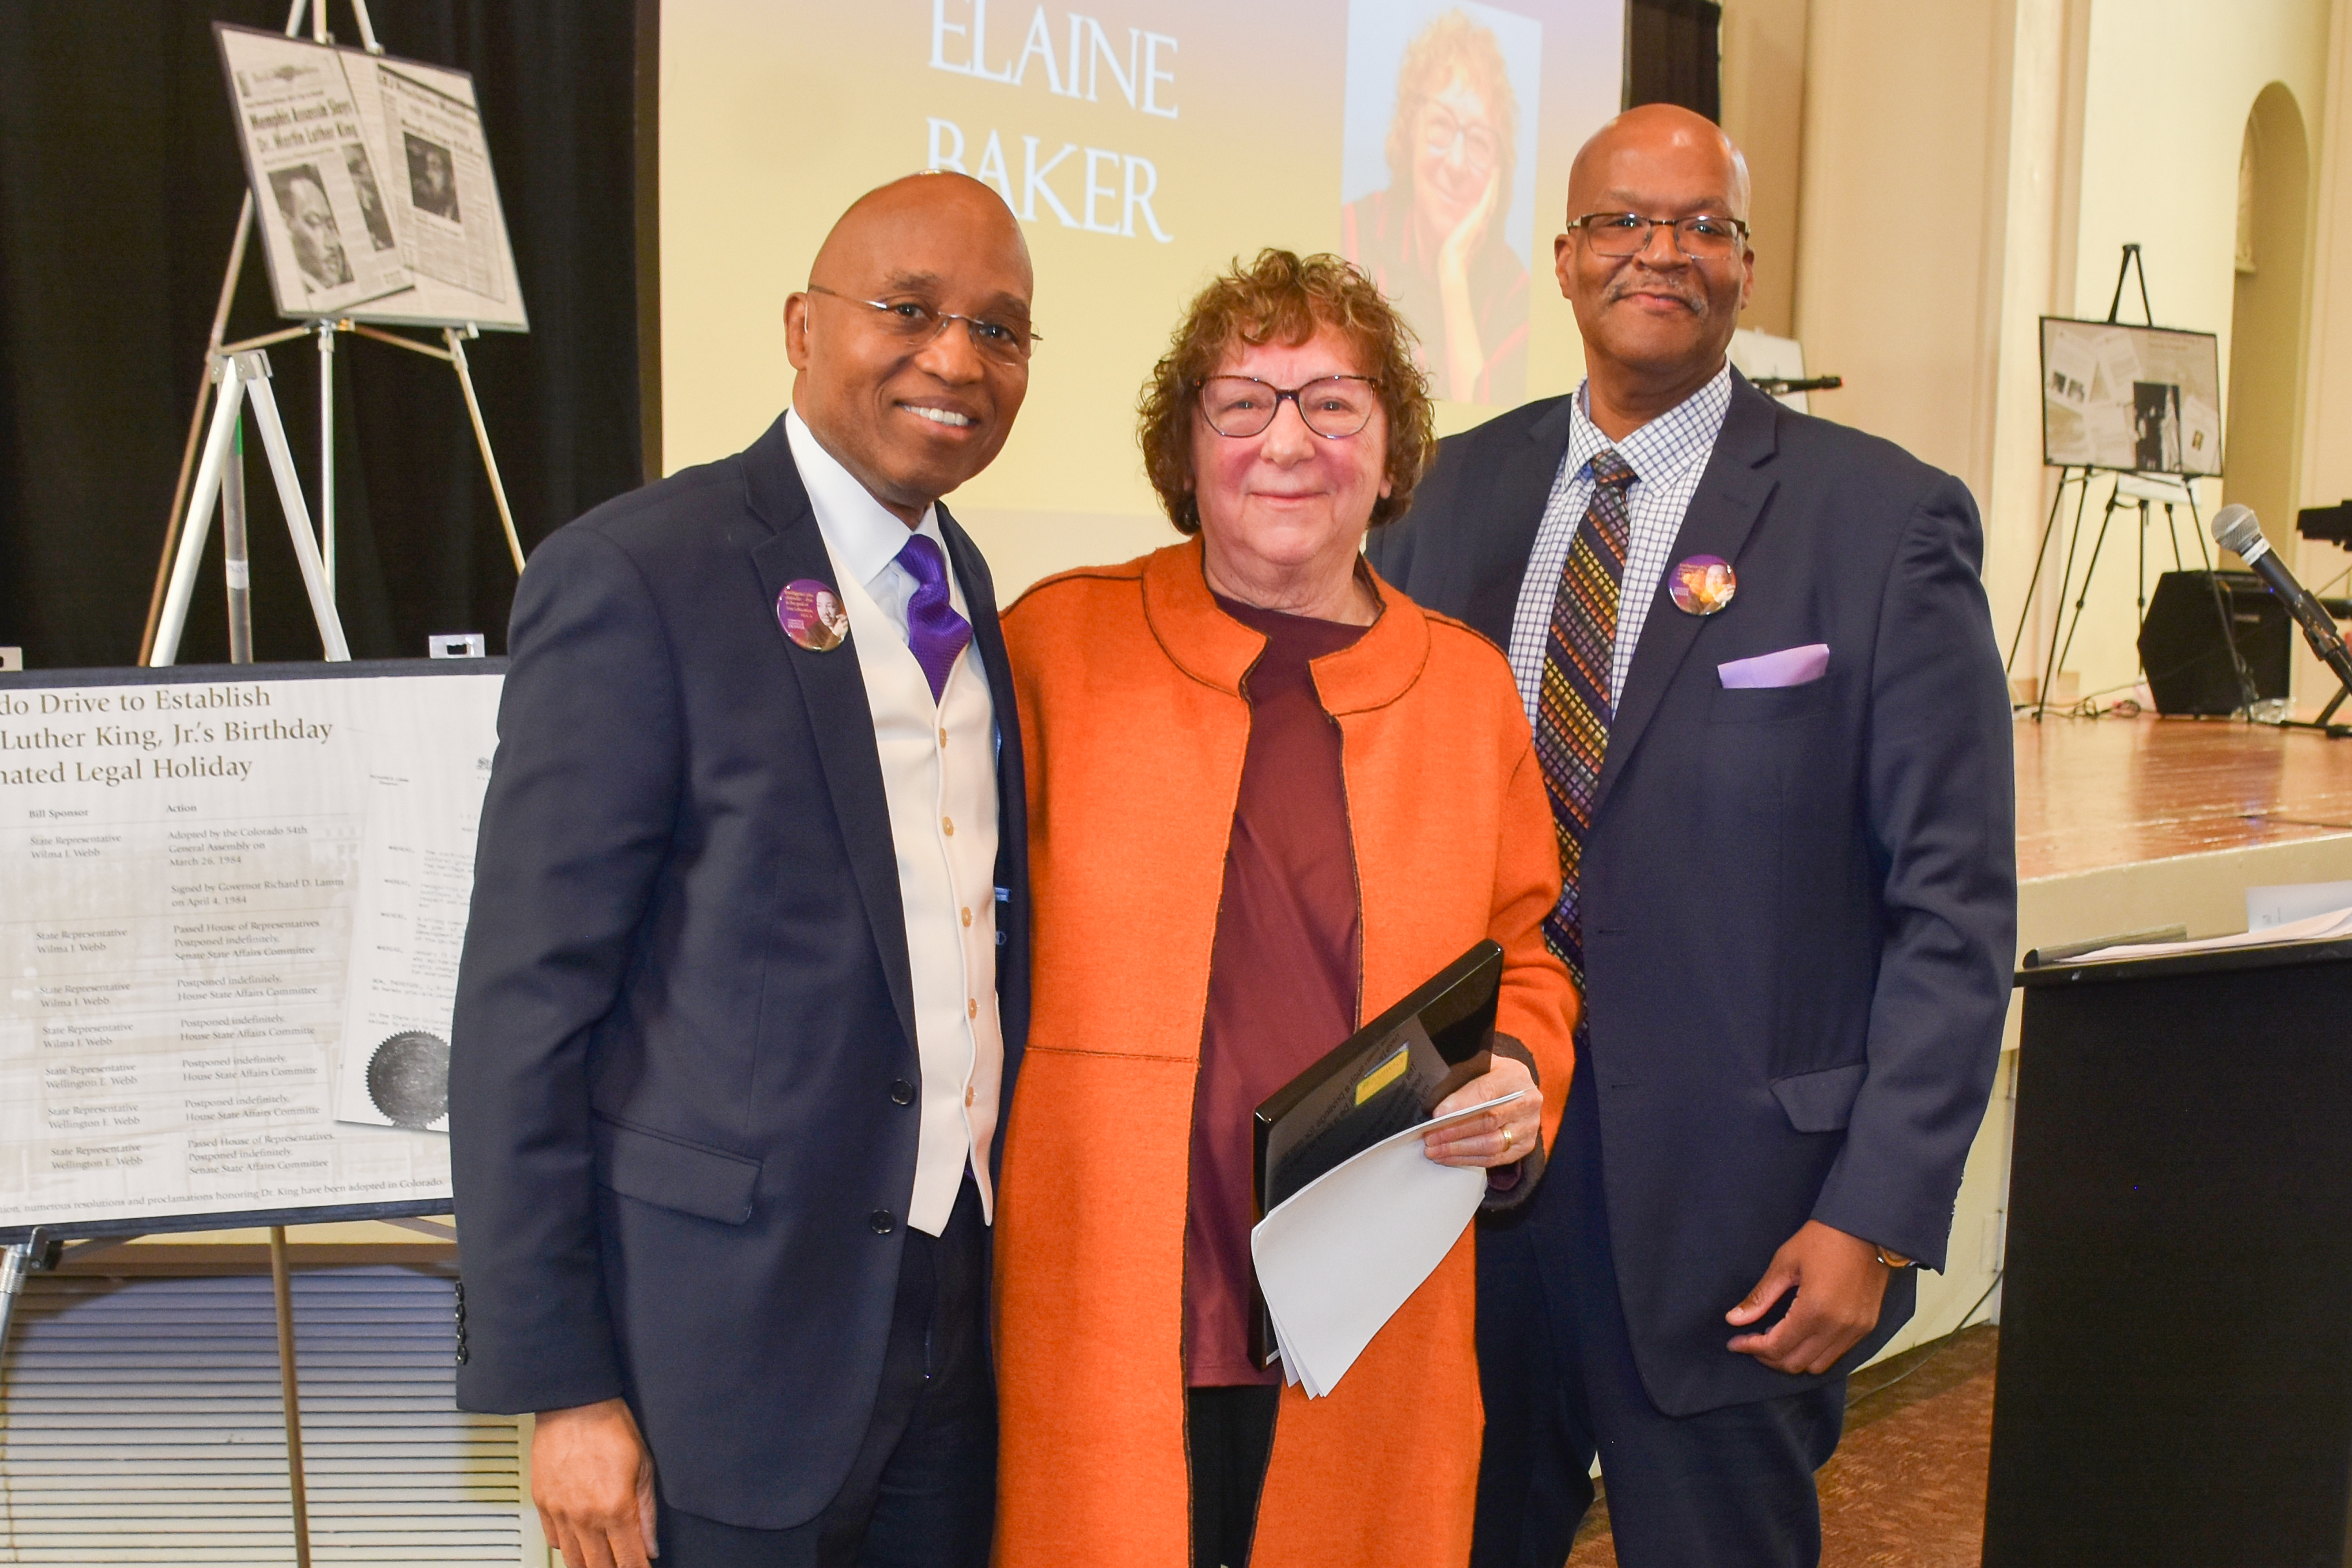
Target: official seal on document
[(408, 1079)]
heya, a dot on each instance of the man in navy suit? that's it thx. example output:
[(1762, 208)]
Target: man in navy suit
[(746, 980), (1772, 722)]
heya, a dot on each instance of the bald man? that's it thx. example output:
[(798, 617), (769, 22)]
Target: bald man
[(746, 979), (1772, 724)]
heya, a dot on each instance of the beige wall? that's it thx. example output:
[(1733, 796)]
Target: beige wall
[(2326, 456), (2016, 145), (1901, 212), (1764, 112)]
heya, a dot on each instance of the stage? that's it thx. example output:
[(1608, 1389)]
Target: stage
[(2125, 825)]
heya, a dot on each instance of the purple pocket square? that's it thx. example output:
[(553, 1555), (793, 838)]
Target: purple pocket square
[(1789, 667)]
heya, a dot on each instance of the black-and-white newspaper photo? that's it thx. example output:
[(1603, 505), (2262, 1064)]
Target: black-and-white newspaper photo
[(372, 180), (330, 241)]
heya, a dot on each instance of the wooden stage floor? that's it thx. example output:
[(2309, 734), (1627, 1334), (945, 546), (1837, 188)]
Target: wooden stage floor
[(2096, 793)]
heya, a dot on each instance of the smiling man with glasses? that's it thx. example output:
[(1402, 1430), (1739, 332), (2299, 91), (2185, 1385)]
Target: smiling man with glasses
[(746, 980), (1774, 731)]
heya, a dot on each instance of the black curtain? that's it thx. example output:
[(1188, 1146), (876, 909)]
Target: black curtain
[(119, 186), (1674, 55)]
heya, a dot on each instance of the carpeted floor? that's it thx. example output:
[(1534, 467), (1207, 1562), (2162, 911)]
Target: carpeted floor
[(1908, 1486)]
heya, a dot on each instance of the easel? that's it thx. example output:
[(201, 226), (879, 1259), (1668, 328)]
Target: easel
[(239, 372), (2145, 490), (236, 375)]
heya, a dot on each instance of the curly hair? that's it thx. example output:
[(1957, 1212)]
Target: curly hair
[(1452, 46), (1283, 296)]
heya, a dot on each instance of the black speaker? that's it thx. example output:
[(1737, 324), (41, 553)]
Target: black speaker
[(2185, 643)]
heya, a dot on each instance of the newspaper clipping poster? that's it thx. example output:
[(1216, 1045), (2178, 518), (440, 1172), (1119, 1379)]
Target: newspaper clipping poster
[(2133, 399), (325, 229), (372, 180)]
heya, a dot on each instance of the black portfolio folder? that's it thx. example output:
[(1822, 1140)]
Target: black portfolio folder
[(1385, 1078)]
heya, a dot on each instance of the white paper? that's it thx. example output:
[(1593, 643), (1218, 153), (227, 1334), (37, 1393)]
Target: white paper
[(193, 870), (2267, 908), (2324, 927), (1338, 1257)]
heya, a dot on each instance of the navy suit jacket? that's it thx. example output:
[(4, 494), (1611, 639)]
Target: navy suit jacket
[(1799, 903), (681, 1173)]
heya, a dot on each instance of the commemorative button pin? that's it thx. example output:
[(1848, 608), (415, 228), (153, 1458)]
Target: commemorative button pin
[(811, 615), (1702, 585)]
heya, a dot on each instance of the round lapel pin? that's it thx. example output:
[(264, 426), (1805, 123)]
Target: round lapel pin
[(1702, 585), (811, 614)]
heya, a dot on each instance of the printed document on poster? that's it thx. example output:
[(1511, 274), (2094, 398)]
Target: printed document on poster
[(233, 911)]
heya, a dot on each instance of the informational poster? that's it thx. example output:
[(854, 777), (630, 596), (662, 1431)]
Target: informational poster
[(234, 903), (2140, 400), (373, 181)]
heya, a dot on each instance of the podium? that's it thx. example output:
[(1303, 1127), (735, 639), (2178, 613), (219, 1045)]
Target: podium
[(2176, 1331)]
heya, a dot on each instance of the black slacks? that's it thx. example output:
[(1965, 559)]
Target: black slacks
[(922, 1490), (1230, 1434), (1724, 1488)]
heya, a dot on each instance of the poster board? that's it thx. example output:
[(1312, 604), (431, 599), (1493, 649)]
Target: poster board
[(236, 898), (371, 180), (2144, 400)]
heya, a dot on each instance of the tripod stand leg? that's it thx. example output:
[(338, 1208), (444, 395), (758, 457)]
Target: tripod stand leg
[(482, 436), (256, 366), (197, 424), (236, 562), (228, 400), (327, 454), (2025, 611)]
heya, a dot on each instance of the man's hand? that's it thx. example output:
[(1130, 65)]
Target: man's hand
[(1503, 1136), (593, 1482), (1839, 1283)]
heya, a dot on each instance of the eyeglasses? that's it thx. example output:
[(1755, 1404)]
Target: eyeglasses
[(1334, 406), (916, 324), (1702, 238), (1440, 130)]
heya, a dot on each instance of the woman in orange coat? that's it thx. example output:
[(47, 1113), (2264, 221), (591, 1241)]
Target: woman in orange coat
[(1269, 796)]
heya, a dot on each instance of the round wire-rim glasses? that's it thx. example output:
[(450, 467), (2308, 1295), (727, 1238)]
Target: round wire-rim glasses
[(1702, 236), (918, 323), (1334, 406)]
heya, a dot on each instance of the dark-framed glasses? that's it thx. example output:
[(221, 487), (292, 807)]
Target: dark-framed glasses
[(1334, 406), (1703, 236), (917, 323)]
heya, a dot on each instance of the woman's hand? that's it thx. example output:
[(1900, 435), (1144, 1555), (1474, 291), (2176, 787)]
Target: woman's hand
[(1503, 1136)]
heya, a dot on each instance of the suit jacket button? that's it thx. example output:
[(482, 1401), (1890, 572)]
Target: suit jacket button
[(902, 1092), (882, 1222)]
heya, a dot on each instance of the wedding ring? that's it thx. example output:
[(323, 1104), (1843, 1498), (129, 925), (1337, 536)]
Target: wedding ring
[(1506, 1137)]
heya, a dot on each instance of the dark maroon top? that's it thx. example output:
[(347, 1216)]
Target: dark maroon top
[(1284, 976)]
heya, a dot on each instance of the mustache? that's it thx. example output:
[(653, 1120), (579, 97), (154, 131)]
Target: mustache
[(1642, 280)]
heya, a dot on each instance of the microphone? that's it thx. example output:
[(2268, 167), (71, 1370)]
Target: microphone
[(2235, 527)]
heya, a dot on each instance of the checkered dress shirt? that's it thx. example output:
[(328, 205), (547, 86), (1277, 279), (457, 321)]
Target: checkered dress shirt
[(1667, 456)]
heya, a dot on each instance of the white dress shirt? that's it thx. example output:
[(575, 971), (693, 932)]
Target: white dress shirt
[(939, 771), (1667, 456)]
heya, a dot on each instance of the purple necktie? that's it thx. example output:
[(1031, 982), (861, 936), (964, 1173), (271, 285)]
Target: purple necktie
[(934, 631)]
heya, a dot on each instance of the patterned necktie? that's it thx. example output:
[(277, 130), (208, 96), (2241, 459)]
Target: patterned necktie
[(935, 633), (1573, 710)]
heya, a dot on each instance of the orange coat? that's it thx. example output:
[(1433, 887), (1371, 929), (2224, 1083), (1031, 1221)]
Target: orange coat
[(1131, 711)]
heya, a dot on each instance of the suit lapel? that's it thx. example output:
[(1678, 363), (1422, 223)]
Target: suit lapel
[(1731, 497), (1521, 491), (833, 690)]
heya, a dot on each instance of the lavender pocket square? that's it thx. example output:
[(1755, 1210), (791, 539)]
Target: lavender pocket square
[(1789, 667)]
